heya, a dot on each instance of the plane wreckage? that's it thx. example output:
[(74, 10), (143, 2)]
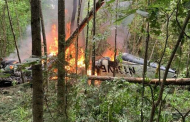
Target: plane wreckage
[(130, 66)]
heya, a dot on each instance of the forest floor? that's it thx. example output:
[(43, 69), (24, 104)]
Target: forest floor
[(13, 101), (16, 103)]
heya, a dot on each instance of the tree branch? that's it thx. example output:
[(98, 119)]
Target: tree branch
[(71, 39)]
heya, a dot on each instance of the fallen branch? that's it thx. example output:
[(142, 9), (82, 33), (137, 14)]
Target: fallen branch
[(169, 81), (71, 39)]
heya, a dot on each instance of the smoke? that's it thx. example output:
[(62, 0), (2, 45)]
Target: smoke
[(122, 35), (50, 14), (24, 46)]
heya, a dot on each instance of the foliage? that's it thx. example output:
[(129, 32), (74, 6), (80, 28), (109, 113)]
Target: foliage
[(115, 101), (15, 104), (20, 15), (158, 12), (120, 101)]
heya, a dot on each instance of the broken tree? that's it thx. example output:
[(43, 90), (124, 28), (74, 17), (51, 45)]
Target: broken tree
[(169, 81), (71, 39)]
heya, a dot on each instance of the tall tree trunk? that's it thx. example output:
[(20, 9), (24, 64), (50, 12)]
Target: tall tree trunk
[(162, 56), (187, 71), (115, 51), (45, 47), (188, 62), (37, 77), (145, 69), (77, 42), (20, 31), (145, 66), (86, 45), (94, 43), (4, 34), (14, 37), (61, 95)]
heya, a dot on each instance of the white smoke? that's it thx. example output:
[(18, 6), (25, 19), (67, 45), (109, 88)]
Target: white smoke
[(24, 46), (50, 14)]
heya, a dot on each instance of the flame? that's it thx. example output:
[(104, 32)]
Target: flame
[(68, 30), (53, 48), (54, 78), (70, 52), (109, 53), (11, 66), (89, 72)]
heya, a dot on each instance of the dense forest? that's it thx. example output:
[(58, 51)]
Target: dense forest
[(94, 60)]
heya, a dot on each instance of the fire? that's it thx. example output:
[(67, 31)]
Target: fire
[(109, 53), (89, 72), (70, 52), (68, 30), (53, 48)]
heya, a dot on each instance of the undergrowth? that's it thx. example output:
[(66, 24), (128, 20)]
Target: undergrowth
[(112, 101)]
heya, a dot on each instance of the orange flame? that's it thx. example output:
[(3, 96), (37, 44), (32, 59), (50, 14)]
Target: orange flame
[(70, 52), (109, 53), (53, 48)]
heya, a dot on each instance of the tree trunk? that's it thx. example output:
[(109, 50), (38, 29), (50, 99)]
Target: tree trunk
[(94, 43), (169, 81), (159, 64), (187, 71), (115, 51), (4, 45), (37, 77), (61, 95), (45, 48), (14, 37), (145, 69), (86, 45), (77, 41)]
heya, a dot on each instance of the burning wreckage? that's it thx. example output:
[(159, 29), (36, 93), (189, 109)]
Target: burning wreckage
[(10, 73), (130, 66)]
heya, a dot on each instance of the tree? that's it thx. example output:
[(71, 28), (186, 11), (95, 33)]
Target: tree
[(45, 46), (61, 86), (14, 37), (37, 81)]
